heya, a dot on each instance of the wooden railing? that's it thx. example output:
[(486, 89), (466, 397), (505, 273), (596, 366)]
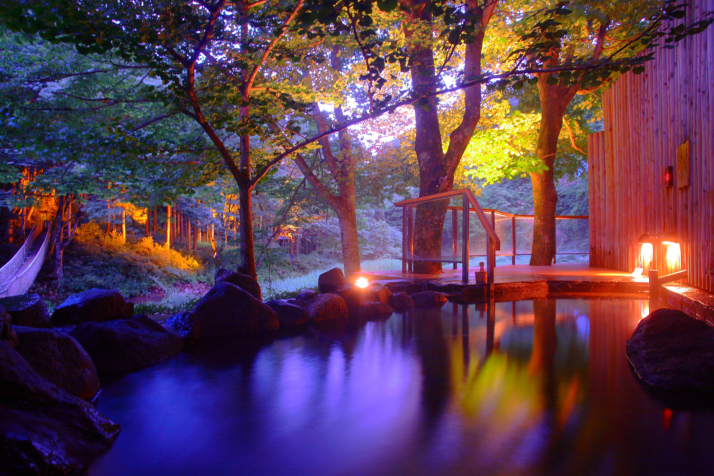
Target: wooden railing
[(489, 218), (469, 204)]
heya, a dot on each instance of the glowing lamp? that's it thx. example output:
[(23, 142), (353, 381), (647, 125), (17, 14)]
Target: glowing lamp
[(670, 238), (645, 238), (362, 282)]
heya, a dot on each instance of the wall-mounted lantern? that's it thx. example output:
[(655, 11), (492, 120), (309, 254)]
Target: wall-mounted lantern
[(674, 261), (646, 243)]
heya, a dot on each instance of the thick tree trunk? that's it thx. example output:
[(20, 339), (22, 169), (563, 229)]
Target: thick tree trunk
[(554, 99), (347, 217), (436, 167), (247, 243)]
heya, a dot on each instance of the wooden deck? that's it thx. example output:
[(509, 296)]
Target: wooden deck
[(516, 273)]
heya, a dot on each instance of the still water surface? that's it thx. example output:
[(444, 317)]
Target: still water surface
[(533, 387)]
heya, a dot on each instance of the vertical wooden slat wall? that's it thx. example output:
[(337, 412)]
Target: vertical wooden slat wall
[(646, 118)]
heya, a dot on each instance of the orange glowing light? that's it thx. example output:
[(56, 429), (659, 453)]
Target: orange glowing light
[(646, 254), (362, 282), (673, 254)]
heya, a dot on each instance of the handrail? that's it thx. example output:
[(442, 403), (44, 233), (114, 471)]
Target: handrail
[(15, 263), (469, 201), (453, 193)]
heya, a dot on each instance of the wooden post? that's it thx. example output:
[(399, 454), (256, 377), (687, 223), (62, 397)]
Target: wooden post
[(123, 224), (454, 233), (654, 284), (404, 240), (465, 240), (513, 238), (410, 239), (493, 225), (148, 217)]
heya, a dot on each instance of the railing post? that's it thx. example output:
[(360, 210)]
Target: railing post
[(654, 282), (465, 241), (404, 240), (493, 225), (454, 237), (410, 241), (513, 238), (491, 264)]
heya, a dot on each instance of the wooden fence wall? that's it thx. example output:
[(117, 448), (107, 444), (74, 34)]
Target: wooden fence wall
[(647, 117)]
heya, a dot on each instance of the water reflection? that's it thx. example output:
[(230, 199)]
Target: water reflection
[(531, 387)]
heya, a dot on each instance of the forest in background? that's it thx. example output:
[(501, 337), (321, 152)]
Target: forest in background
[(273, 137)]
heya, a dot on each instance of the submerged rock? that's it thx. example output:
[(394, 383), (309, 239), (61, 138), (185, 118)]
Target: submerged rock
[(227, 310), (43, 429), (245, 282), (673, 351), (289, 315), (428, 299), (60, 359), (123, 345), (185, 326), (330, 281), (27, 310), (401, 301), (93, 305), (327, 307)]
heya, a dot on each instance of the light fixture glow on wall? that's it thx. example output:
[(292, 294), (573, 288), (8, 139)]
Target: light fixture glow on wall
[(646, 251)]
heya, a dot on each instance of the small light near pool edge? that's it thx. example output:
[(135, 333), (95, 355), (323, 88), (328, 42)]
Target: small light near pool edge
[(362, 282)]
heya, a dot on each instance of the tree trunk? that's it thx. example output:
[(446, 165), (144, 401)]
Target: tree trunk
[(59, 251), (123, 225), (436, 167), (554, 99), (347, 217), (247, 244), (168, 226)]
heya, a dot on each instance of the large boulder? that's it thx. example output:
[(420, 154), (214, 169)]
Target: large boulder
[(227, 310), (185, 326), (60, 359), (330, 281), (429, 299), (123, 345), (43, 429), (327, 307), (27, 310), (289, 315), (245, 282), (93, 305), (673, 351), (6, 332), (401, 301), (379, 293)]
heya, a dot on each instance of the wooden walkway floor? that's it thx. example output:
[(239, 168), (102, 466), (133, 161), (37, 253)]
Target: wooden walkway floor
[(517, 273)]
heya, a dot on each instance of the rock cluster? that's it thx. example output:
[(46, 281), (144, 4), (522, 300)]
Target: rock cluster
[(27, 310)]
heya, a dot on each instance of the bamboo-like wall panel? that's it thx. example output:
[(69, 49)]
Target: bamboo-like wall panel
[(646, 118)]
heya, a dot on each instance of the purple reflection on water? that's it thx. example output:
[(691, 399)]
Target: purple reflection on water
[(507, 388)]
